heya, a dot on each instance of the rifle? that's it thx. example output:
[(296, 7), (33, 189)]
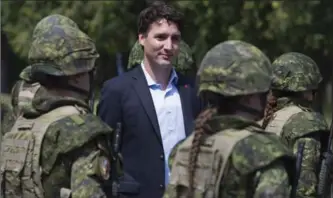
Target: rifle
[(299, 159), (92, 102), (325, 165), (115, 161)]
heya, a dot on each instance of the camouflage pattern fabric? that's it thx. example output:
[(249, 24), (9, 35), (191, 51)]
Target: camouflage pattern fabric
[(136, 55), (307, 127), (183, 62), (52, 20), (26, 74), (7, 114), (43, 26), (6, 106), (234, 68), (19, 99), (73, 152), (252, 155), (60, 50), (15, 95), (82, 140), (258, 164), (255, 163), (22, 95), (173, 153), (295, 72)]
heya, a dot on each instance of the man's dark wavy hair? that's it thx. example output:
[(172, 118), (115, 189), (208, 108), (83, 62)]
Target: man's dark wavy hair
[(156, 11)]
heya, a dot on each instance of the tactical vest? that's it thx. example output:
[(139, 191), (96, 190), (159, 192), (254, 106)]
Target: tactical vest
[(280, 118), (210, 166), (21, 151)]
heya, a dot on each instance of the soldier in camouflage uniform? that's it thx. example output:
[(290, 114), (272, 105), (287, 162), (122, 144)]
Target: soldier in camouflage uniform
[(10, 107), (289, 114), (10, 104), (229, 155), (7, 116), (56, 147), (183, 63)]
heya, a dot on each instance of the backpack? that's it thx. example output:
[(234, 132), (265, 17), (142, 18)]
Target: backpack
[(210, 166), (21, 151)]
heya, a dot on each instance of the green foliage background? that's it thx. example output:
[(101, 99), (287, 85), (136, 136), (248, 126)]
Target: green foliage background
[(274, 26)]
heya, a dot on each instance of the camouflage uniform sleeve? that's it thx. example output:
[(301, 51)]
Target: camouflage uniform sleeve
[(74, 156), (308, 128), (311, 158), (273, 181), (90, 169)]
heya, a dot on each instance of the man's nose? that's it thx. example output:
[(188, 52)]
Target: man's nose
[(168, 44)]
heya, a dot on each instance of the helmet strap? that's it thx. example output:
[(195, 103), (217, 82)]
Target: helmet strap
[(91, 94), (253, 113)]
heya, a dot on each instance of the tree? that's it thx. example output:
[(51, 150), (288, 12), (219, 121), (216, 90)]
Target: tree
[(275, 27)]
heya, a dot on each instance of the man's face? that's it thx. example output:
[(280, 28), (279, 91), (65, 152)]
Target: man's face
[(161, 42)]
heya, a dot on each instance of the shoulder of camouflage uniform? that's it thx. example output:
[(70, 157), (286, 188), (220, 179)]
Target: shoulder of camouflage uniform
[(257, 151), (304, 123), (76, 130), (7, 117), (6, 106), (173, 153), (6, 101)]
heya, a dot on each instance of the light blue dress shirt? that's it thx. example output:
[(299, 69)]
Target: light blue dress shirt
[(169, 114)]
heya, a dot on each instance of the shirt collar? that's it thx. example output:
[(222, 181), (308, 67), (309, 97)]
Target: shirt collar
[(173, 78)]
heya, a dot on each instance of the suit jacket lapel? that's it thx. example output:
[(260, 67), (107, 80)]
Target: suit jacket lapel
[(186, 100), (141, 87)]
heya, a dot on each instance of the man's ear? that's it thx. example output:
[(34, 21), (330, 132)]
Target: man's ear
[(141, 39)]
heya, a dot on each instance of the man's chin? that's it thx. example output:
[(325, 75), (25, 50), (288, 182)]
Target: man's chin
[(165, 64)]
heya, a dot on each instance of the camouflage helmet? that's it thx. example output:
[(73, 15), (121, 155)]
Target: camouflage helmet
[(295, 72), (52, 20), (184, 60), (234, 68), (60, 50), (44, 25)]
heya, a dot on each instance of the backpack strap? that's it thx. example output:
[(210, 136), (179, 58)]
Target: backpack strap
[(39, 129), (280, 118), (224, 144)]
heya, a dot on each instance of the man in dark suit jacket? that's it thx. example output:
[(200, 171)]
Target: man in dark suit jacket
[(155, 104)]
